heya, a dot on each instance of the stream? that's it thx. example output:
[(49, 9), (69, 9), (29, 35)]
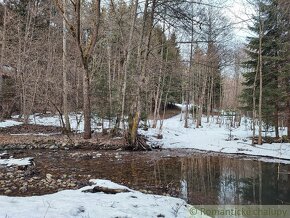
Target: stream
[(197, 177)]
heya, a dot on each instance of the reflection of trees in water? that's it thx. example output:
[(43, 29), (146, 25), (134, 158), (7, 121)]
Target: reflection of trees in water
[(220, 180), (200, 179), (166, 174), (239, 181), (267, 186), (208, 179), (200, 175), (252, 184)]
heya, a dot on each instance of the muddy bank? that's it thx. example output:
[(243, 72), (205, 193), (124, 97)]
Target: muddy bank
[(98, 142), (32, 136)]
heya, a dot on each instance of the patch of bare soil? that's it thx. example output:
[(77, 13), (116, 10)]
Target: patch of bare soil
[(32, 136), (61, 141), (168, 114), (31, 128)]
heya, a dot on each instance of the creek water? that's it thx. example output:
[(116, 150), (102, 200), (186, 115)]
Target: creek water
[(197, 177)]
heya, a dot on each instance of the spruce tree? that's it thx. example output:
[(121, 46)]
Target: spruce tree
[(272, 65)]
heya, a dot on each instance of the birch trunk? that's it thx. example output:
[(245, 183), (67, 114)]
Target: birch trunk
[(87, 104), (201, 101), (64, 72)]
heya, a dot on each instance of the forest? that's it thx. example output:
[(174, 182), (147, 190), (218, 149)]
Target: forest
[(187, 102), (126, 62)]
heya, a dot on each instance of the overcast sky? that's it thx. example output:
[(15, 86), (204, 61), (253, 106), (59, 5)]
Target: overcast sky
[(239, 12)]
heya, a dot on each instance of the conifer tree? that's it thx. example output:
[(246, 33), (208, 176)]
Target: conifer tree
[(273, 42)]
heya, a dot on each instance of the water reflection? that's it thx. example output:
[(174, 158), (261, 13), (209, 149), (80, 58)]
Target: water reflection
[(198, 178), (223, 180)]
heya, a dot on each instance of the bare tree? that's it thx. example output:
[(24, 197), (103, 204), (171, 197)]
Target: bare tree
[(86, 47)]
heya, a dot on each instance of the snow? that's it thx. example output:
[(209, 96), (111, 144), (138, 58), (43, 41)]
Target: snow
[(19, 162), (212, 137), (183, 106), (76, 121), (8, 123), (76, 203)]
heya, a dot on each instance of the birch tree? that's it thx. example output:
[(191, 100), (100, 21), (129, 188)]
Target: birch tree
[(64, 70)]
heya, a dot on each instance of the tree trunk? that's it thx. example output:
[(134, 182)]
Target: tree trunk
[(156, 99), (128, 57), (201, 100), (164, 108), (140, 67), (288, 118), (86, 50), (24, 43), (210, 94), (109, 84), (254, 105), (3, 35), (158, 96), (133, 126), (276, 117), (182, 103), (186, 109), (87, 104), (261, 82), (64, 72)]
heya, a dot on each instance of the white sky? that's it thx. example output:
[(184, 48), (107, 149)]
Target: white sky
[(239, 12)]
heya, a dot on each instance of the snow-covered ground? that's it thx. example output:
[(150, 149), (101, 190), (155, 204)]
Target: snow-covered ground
[(212, 137), (8, 123), (12, 161), (76, 203), (76, 121)]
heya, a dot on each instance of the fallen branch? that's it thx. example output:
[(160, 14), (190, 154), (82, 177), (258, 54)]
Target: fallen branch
[(106, 190)]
